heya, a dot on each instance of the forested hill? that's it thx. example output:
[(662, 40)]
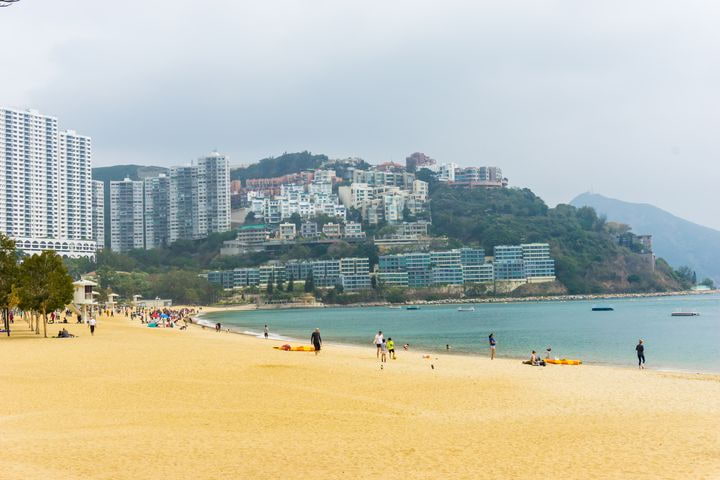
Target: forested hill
[(679, 241), (588, 260), (277, 166), (120, 172)]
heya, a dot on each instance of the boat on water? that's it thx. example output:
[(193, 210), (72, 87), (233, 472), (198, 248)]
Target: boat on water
[(395, 307), (466, 309), (412, 307), (603, 309), (685, 314)]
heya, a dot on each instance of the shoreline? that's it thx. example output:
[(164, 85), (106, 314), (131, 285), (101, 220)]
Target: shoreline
[(235, 329), (465, 301)]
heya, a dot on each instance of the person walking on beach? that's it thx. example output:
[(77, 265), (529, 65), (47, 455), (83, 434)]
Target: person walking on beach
[(383, 351), (92, 322), (266, 332), (493, 343), (391, 348), (378, 340), (316, 340), (640, 349)]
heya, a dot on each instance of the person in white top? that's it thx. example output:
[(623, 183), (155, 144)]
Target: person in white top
[(92, 322), (378, 340)]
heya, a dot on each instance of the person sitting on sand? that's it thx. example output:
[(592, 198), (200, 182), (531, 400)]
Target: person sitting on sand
[(65, 334), (533, 359)]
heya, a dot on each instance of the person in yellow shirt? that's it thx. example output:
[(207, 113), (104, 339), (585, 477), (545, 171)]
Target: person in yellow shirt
[(391, 348)]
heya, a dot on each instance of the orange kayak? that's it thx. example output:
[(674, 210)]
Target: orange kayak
[(288, 348), (563, 361)]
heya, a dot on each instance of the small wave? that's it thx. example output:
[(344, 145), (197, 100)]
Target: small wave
[(271, 336)]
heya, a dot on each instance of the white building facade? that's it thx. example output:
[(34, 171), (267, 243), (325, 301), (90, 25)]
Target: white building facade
[(199, 198), (126, 215), (45, 185), (98, 213)]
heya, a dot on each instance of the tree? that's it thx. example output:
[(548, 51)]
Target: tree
[(708, 282), (309, 283), (45, 284), (296, 219), (340, 249), (250, 218), (269, 287), (291, 283), (685, 275), (282, 165), (280, 284), (8, 277)]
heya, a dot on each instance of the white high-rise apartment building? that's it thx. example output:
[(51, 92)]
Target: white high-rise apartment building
[(126, 215), (98, 213), (75, 175), (216, 169), (200, 198), (45, 185), (157, 211)]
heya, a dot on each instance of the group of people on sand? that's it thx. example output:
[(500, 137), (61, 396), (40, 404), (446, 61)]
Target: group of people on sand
[(385, 348), (535, 359)]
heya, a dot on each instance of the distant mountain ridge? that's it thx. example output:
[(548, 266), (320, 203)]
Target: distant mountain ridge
[(677, 240)]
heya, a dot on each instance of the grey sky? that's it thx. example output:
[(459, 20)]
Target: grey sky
[(566, 96)]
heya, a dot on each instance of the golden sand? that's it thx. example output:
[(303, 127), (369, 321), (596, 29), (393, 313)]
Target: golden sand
[(140, 403)]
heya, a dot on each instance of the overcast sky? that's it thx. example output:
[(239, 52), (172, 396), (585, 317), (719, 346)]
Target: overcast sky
[(617, 97)]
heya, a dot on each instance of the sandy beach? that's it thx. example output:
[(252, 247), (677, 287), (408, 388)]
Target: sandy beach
[(140, 403)]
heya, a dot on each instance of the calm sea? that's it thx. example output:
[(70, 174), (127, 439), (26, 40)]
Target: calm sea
[(570, 328)]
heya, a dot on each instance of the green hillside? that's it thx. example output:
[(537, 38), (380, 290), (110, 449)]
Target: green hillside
[(588, 260), (677, 240), (278, 166)]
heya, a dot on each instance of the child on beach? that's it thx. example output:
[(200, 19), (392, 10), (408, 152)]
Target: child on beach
[(383, 351), (391, 348), (266, 332)]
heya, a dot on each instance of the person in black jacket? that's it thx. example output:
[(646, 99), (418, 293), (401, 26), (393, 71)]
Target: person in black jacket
[(316, 340), (640, 349)]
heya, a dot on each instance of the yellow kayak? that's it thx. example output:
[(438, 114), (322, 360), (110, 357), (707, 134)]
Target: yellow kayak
[(563, 361), (288, 348)]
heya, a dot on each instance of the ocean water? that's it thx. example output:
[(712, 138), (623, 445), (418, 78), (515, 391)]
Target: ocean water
[(572, 329)]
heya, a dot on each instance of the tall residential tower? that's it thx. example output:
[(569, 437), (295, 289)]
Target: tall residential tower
[(126, 215), (45, 185), (200, 198)]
